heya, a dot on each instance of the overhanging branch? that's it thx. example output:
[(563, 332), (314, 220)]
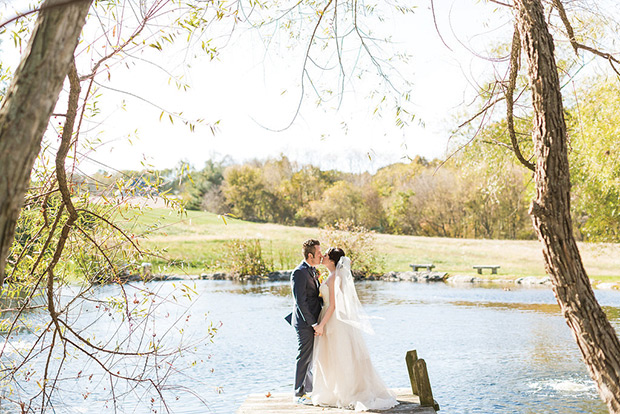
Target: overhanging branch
[(576, 45), (515, 58)]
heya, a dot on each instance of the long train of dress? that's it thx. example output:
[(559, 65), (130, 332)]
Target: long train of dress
[(343, 373)]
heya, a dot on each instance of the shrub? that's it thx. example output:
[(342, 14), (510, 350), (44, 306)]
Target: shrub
[(245, 258), (359, 245)]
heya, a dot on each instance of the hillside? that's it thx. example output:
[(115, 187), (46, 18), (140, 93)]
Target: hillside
[(198, 239)]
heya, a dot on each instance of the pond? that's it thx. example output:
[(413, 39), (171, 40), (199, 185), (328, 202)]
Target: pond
[(488, 350)]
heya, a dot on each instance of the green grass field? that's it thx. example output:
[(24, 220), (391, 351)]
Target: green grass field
[(197, 241)]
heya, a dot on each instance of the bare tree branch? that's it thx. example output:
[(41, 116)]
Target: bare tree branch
[(118, 49), (488, 106), (63, 150), (576, 45), (501, 3), (437, 27), (46, 372)]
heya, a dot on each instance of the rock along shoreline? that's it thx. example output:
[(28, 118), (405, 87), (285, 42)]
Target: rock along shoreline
[(408, 276)]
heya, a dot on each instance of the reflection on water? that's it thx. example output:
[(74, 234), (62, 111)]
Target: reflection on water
[(575, 386), (254, 288), (488, 350), (549, 308)]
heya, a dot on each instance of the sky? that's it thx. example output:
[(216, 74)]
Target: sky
[(251, 91)]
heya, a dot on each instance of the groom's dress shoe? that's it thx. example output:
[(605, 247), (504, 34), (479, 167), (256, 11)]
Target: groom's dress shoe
[(304, 400)]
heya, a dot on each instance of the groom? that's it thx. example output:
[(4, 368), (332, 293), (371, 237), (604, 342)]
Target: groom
[(305, 287)]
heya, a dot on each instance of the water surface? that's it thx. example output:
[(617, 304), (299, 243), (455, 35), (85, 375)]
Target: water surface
[(487, 350)]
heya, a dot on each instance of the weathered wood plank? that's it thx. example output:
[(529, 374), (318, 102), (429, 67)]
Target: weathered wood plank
[(411, 357), (282, 403), (424, 385)]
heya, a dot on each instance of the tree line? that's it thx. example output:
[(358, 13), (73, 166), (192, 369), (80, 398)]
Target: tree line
[(480, 192), (417, 197)]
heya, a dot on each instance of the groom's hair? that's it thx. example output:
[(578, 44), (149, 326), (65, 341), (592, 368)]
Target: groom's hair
[(309, 247)]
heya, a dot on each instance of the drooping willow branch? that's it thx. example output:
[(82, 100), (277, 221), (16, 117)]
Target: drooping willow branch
[(304, 69), (149, 15), (45, 375), (36, 286), (437, 26), (61, 156), (362, 38), (515, 58)]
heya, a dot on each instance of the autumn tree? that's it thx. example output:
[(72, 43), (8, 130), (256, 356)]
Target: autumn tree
[(342, 201), (206, 190), (28, 105), (246, 192), (61, 233), (551, 208)]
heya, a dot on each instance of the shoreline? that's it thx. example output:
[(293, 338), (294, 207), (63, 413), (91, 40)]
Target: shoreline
[(407, 276)]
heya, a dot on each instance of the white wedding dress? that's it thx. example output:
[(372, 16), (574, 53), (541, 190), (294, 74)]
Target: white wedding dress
[(344, 376)]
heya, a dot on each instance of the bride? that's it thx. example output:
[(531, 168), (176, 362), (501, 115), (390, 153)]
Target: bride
[(344, 376)]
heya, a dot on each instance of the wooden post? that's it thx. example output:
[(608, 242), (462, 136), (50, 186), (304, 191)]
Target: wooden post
[(424, 385), (411, 357)]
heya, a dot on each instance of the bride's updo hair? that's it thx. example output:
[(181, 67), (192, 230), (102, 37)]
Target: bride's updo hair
[(334, 254)]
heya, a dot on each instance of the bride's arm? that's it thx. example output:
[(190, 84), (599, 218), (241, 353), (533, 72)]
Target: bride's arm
[(332, 302)]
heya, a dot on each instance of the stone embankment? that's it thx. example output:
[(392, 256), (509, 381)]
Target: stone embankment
[(408, 276), (529, 280), (413, 276), (285, 275), (273, 276)]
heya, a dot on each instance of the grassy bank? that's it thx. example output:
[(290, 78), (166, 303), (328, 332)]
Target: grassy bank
[(197, 242)]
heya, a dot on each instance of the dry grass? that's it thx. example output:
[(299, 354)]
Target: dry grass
[(197, 241)]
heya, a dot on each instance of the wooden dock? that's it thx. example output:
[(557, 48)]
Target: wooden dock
[(282, 403)]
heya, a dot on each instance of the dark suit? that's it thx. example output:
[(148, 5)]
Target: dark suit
[(305, 288)]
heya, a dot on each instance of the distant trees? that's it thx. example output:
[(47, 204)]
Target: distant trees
[(499, 210), (306, 185), (463, 198), (206, 193), (247, 194), (480, 193)]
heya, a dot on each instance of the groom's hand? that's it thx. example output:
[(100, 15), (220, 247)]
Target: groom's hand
[(318, 330)]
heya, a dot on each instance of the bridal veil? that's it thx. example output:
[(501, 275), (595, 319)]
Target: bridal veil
[(348, 307)]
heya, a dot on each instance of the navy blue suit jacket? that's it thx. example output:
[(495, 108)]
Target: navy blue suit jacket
[(306, 293)]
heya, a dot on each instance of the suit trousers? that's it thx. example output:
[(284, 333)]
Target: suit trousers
[(303, 374)]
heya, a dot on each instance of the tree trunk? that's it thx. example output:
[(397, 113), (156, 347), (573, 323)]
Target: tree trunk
[(29, 103), (550, 210)]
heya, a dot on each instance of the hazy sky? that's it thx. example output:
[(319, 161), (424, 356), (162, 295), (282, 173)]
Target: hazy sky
[(251, 90)]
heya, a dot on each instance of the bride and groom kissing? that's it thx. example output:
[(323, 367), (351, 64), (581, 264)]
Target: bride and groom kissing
[(333, 367)]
